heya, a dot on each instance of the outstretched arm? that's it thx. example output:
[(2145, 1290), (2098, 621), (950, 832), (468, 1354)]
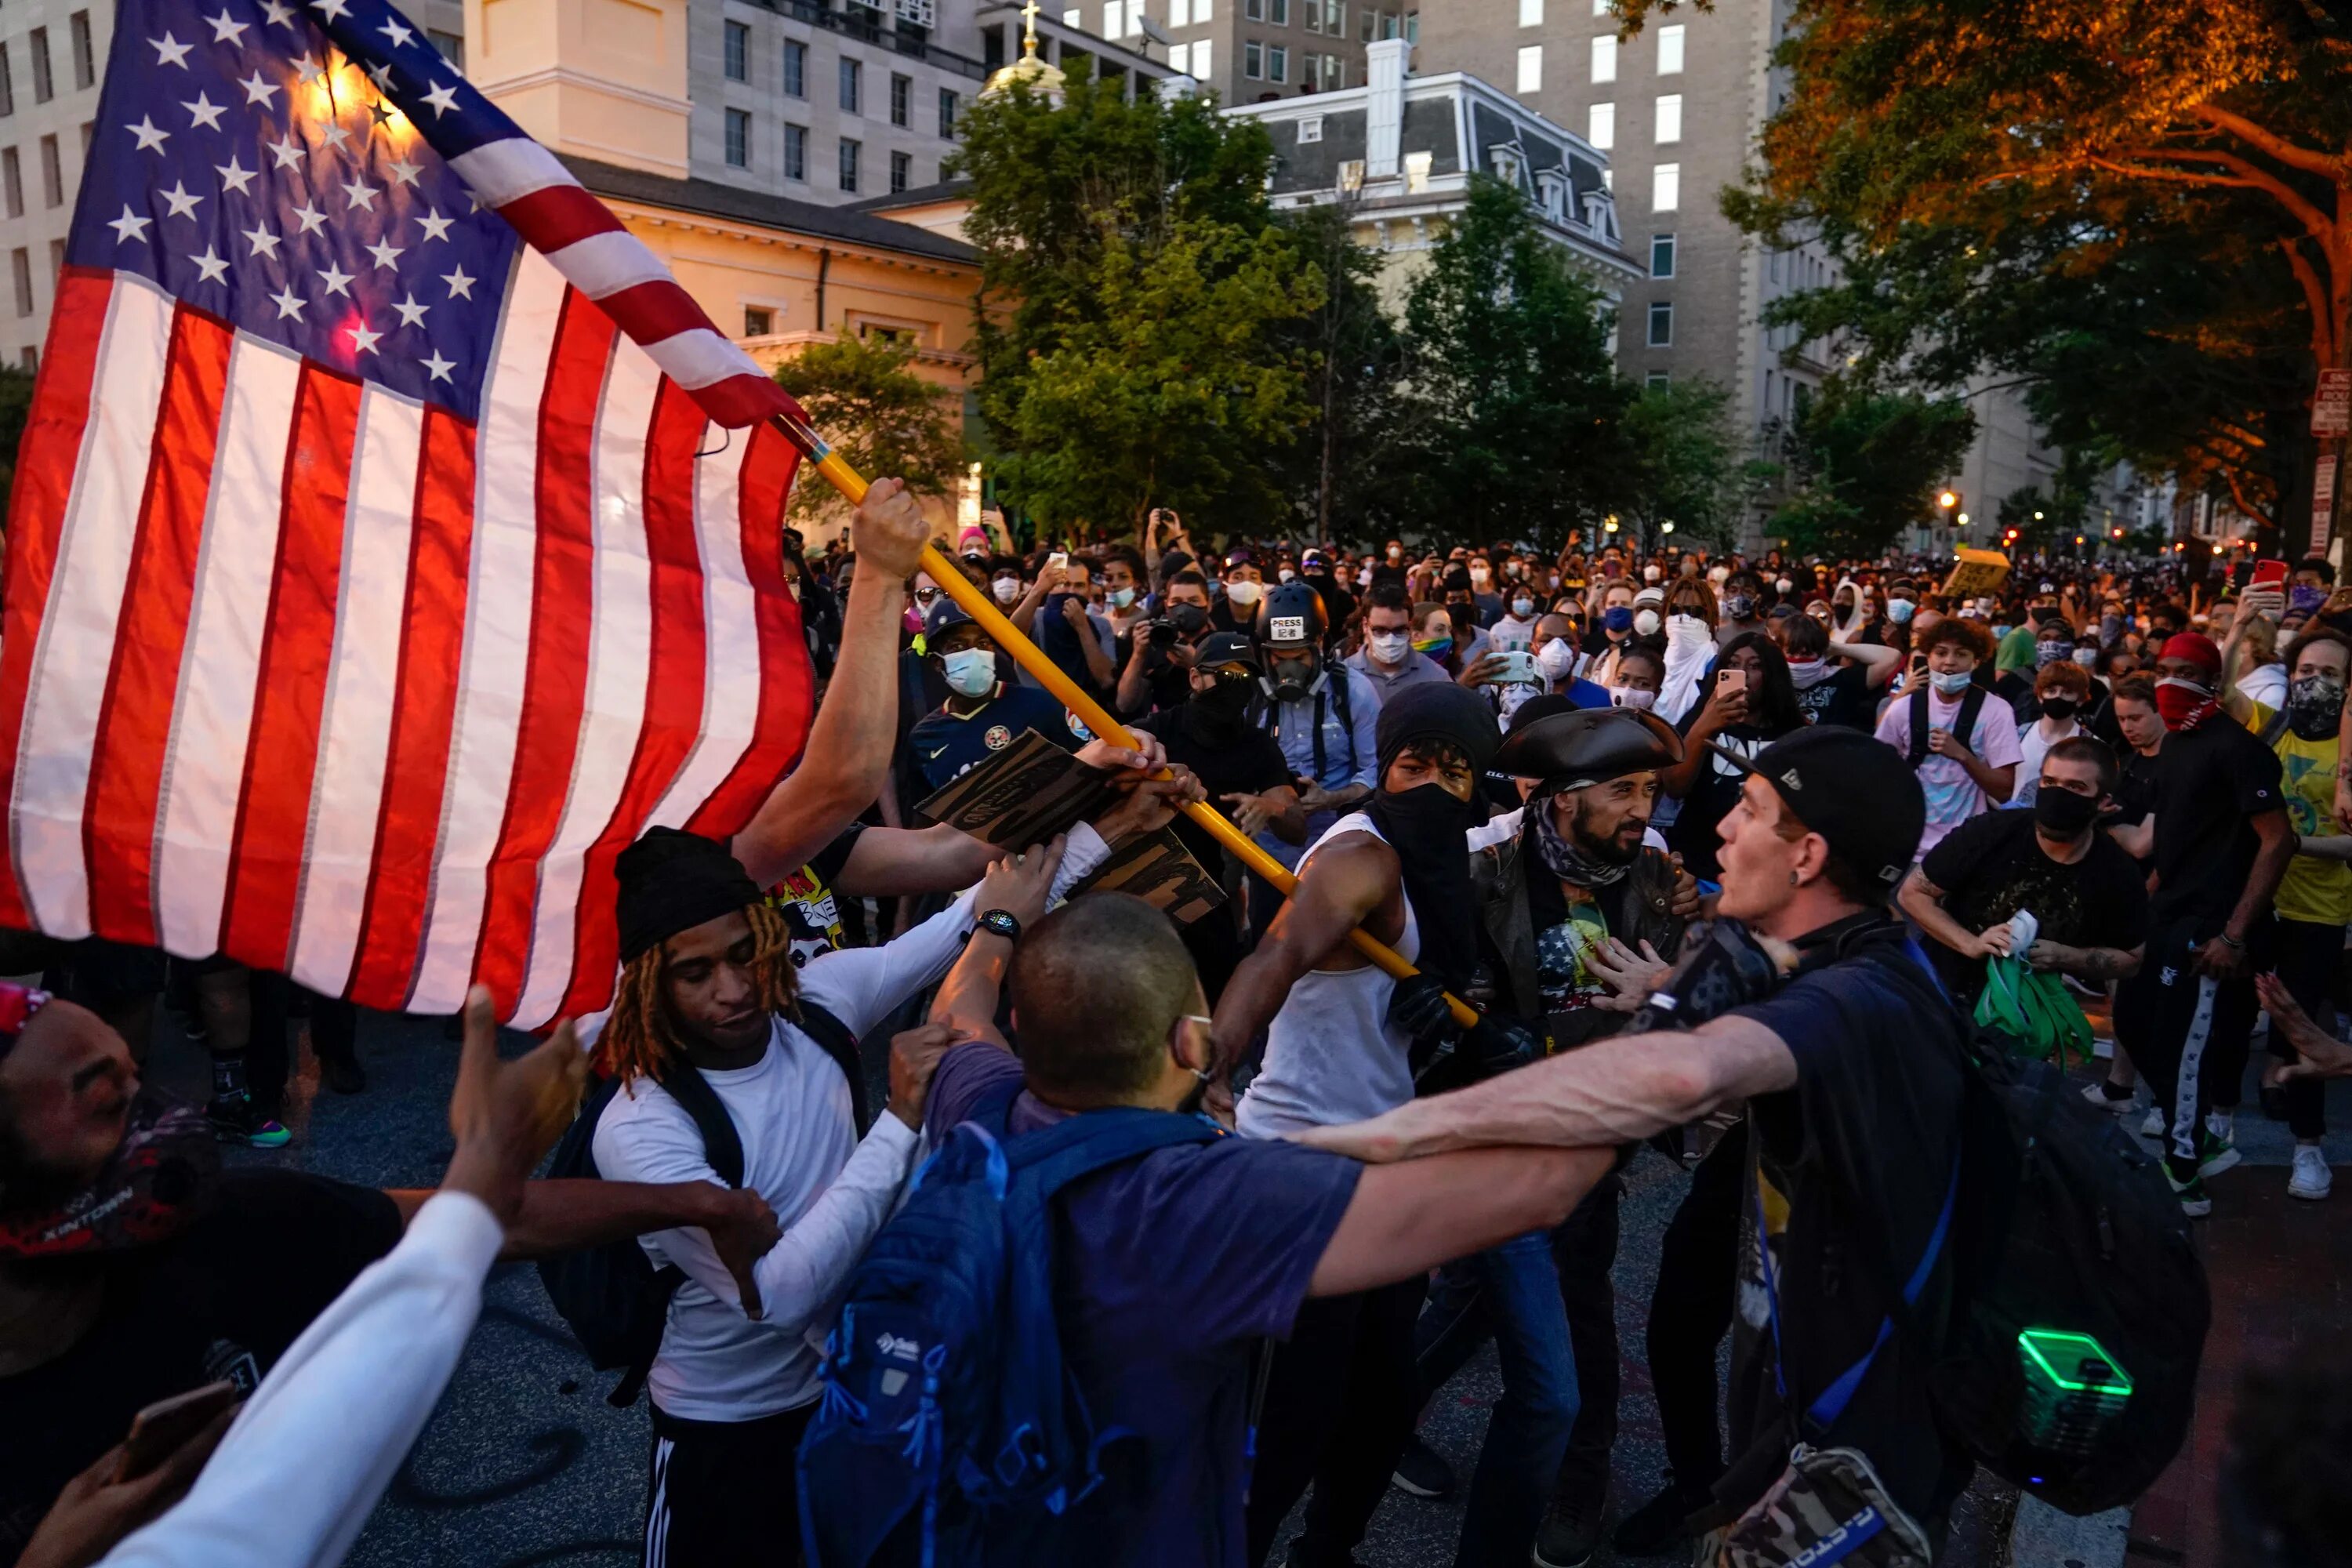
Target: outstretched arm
[(1406, 1219), (1347, 880), (847, 758)]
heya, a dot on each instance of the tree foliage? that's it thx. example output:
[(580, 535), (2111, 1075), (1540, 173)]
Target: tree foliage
[(1341, 475), (2138, 207), (1685, 464), (1511, 412), (1135, 308), (863, 394), (1863, 466)]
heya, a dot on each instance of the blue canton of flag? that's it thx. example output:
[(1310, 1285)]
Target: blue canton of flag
[(257, 172)]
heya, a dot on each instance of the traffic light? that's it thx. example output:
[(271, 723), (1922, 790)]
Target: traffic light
[(1949, 502)]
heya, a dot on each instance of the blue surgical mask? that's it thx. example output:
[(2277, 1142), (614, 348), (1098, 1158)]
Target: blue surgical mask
[(1900, 611), (1618, 617), (2000, 632), (970, 671), (1950, 683), (1120, 598)]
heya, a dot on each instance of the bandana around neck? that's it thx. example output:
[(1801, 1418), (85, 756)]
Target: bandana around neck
[(1564, 859)]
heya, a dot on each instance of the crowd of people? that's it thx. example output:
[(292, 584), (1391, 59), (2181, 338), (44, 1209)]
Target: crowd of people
[(1547, 782)]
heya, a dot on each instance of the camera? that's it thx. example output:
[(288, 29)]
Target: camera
[(1160, 632)]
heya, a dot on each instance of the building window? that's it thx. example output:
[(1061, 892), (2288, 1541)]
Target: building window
[(1076, 17), (848, 170), (757, 321), (1255, 10), (738, 138), (1202, 11), (1311, 129), (1670, 51), (1530, 69), (1775, 264), (53, 175), (902, 171), (1254, 60), (85, 60), (1601, 125), (902, 99), (949, 106), (796, 152), (1657, 381), (795, 68), (8, 86), (38, 40), (1670, 118), (20, 261), (12, 181), (451, 47), (1278, 12), (852, 81), (1277, 63), (739, 52), (56, 258), (1665, 187), (1201, 67), (1180, 13), (1662, 256), (1662, 324), (1604, 58), (1417, 172), (31, 357), (1530, 13)]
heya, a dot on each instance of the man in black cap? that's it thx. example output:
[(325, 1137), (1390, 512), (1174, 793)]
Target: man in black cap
[(1242, 770), (1851, 1067), (710, 1007), (1574, 905), (984, 712), (1340, 1402), (1322, 712)]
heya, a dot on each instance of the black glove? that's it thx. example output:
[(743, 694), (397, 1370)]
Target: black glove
[(1499, 1044), (1722, 967), (1418, 1007)]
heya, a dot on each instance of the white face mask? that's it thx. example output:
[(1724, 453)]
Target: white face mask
[(1120, 598), (1632, 697), (1286, 574), (1649, 573), (1390, 647), (1481, 575), (1006, 589), (1718, 575), (970, 671), (1782, 584), (1522, 607), (1555, 659), (1950, 683), (1688, 630), (2089, 658), (1244, 593), (1645, 623)]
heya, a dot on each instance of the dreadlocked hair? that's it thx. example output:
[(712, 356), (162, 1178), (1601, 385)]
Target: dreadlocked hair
[(641, 1041)]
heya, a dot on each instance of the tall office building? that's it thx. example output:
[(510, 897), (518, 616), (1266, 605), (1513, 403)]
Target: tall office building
[(1677, 109), (1251, 51)]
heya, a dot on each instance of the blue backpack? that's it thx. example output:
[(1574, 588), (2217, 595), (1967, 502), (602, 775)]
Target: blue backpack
[(950, 1432)]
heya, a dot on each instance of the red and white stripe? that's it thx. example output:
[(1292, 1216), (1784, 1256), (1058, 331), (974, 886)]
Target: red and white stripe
[(294, 668)]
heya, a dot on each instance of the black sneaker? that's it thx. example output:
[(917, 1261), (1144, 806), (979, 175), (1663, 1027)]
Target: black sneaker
[(237, 1120), (1421, 1472), (1570, 1532), (1660, 1523)]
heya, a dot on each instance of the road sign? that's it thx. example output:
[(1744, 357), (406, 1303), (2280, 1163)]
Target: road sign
[(2331, 405), (2323, 504)]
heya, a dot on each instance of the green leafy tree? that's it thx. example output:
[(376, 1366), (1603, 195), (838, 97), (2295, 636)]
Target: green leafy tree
[(1686, 464), (1512, 411), (1340, 474), (15, 404), (863, 394), (2108, 198), (1864, 464), (1135, 307)]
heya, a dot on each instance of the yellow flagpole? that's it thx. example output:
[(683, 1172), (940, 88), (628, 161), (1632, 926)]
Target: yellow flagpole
[(1031, 658)]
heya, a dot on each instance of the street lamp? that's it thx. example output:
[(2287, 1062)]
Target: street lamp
[(1963, 519), (2037, 517), (1666, 527), (1609, 524)]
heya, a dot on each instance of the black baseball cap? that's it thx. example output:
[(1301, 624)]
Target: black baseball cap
[(1856, 791), (1220, 649)]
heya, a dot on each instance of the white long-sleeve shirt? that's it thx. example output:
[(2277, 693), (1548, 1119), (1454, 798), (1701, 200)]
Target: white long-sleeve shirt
[(313, 1450), (831, 1193)]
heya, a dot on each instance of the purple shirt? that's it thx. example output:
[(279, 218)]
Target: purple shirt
[(1172, 1268)]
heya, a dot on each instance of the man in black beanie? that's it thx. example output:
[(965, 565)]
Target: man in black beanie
[(1340, 1400)]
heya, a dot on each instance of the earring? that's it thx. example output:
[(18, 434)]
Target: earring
[(1792, 878)]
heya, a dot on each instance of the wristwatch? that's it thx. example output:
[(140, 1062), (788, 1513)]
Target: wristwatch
[(999, 922)]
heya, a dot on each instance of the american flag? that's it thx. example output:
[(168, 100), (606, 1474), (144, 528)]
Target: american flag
[(392, 538)]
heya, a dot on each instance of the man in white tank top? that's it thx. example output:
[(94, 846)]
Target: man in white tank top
[(1340, 1400)]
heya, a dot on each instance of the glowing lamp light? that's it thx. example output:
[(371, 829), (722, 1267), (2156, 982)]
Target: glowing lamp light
[(1964, 519), (2217, 550), (2037, 517), (1948, 501), (1666, 527), (1610, 526), (2078, 539)]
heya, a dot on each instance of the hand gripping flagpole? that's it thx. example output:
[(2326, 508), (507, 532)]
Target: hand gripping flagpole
[(1031, 658)]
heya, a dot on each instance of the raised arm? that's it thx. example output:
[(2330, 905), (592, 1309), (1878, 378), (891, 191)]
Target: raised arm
[(1881, 662), (847, 760), (1344, 883), (1617, 1092)]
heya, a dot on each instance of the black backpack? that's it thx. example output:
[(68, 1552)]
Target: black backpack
[(1964, 724), (615, 1300), (2068, 1366)]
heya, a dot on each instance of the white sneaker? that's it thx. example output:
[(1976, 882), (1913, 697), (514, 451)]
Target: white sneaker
[(2222, 1124), (2312, 1178), (2100, 1100), (2154, 1127)]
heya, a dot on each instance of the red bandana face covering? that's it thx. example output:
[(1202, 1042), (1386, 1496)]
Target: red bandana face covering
[(2183, 704), (159, 1177)]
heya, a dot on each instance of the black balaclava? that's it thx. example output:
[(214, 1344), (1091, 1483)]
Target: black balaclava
[(1426, 826), (672, 881)]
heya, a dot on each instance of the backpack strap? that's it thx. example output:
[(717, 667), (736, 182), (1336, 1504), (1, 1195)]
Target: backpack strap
[(1919, 751), (1052, 1157), (721, 1144), (833, 1037), (1964, 725)]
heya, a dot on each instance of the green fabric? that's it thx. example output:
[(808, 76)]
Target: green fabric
[(2016, 650), (2034, 1009)]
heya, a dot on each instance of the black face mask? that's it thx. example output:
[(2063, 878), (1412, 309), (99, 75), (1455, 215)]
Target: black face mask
[(1217, 716), (1425, 826), (2059, 708), (1293, 679), (2062, 814), (1190, 620), (2314, 707)]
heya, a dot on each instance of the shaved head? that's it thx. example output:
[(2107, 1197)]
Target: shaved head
[(65, 1098)]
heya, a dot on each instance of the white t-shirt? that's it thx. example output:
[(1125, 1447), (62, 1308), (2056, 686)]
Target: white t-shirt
[(2032, 748), (2266, 684), (1952, 795)]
